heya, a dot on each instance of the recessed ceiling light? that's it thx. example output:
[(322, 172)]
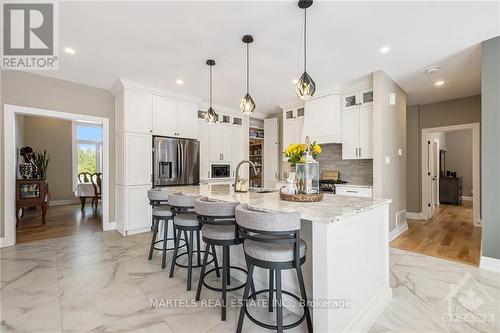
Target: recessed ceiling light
[(384, 49), (432, 69), (294, 81), (69, 50), (179, 81), (439, 83)]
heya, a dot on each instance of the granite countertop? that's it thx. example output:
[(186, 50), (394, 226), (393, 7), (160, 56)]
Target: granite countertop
[(332, 208)]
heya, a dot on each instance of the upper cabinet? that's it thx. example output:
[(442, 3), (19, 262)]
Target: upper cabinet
[(323, 119), (293, 123), (174, 118), (133, 112), (357, 125)]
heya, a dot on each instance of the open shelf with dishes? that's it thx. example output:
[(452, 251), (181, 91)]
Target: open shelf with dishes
[(256, 149)]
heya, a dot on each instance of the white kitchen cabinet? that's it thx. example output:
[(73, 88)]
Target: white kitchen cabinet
[(350, 134), (323, 120), (238, 150), (204, 149), (292, 131), (354, 191), (133, 212), (357, 130), (133, 159), (366, 131), (271, 146), (225, 142), (174, 118), (133, 112), (357, 98)]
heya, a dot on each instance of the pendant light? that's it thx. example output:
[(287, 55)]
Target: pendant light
[(247, 104), (210, 115), (305, 87)]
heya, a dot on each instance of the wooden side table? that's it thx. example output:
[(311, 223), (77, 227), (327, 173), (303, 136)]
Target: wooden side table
[(29, 193)]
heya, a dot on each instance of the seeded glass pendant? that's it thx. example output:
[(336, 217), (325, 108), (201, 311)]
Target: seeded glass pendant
[(247, 104), (305, 87), (211, 116)]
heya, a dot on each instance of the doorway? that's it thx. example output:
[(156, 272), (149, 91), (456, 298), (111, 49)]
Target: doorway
[(10, 171)]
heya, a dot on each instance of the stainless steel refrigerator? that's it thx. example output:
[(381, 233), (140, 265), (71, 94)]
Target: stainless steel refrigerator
[(175, 161)]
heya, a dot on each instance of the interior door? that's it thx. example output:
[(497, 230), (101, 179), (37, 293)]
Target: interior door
[(435, 171)]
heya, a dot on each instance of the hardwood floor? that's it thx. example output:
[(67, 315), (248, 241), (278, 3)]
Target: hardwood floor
[(450, 234), (61, 221)]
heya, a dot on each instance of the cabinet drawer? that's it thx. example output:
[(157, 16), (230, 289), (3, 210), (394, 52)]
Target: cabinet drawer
[(354, 191)]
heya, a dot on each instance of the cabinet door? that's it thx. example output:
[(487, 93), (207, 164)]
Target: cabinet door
[(366, 131), (238, 147), (137, 112), (214, 142), (138, 156), (366, 97), (350, 134), (298, 125), (164, 116), (187, 125), (322, 120), (288, 127), (138, 208), (270, 133), (204, 149), (225, 142), (350, 101)]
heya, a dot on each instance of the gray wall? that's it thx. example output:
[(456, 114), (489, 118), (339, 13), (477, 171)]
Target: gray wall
[(459, 157), (490, 147), (31, 90), (389, 135), (353, 171), (454, 112), (53, 135)]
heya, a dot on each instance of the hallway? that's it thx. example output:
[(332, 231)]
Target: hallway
[(450, 235)]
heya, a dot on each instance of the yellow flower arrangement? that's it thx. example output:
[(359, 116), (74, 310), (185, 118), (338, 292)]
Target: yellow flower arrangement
[(295, 152)]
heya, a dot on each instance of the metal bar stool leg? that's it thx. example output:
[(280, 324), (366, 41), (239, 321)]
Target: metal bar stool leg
[(216, 263), (225, 250), (271, 291), (190, 259), (155, 232), (198, 252), (302, 287), (228, 266), (279, 302), (176, 250), (165, 235), (245, 297), (203, 268)]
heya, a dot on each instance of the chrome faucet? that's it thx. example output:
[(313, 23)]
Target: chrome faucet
[(237, 174)]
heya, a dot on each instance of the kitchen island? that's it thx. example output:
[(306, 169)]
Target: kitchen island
[(347, 266)]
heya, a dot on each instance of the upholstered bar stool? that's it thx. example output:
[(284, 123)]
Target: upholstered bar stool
[(219, 229), (186, 221), (272, 241), (157, 198)]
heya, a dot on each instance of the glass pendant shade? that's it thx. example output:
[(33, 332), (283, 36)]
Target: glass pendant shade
[(247, 104), (211, 116), (306, 87)]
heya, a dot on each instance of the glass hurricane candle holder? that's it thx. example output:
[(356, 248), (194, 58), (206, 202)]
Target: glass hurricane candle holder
[(307, 174)]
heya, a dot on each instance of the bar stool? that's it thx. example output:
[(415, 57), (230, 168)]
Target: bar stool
[(272, 241), (185, 220), (157, 198), (219, 229)]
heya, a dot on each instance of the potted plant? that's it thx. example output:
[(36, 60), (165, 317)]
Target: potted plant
[(42, 162)]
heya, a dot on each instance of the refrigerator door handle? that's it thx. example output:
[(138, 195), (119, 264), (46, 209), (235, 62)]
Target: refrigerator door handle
[(178, 160)]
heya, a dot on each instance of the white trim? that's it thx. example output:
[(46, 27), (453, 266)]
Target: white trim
[(466, 198), (490, 264), (53, 203), (414, 216), (476, 160), (122, 83), (396, 232), (10, 112)]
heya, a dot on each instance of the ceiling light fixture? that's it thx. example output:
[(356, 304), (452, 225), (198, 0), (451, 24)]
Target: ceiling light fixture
[(305, 87), (69, 50), (247, 104), (384, 49), (210, 115), (432, 69), (179, 81), (439, 83)]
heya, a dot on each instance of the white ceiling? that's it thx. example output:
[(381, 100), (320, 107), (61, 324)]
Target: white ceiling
[(158, 42)]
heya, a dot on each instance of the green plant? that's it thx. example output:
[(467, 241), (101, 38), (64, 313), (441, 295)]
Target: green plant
[(42, 162)]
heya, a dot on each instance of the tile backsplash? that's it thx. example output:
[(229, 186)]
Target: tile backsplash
[(352, 171)]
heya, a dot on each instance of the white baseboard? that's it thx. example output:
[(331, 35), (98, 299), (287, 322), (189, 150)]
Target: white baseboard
[(394, 233), (111, 226), (414, 216), (466, 198), (138, 231), (490, 264), (4, 242), (369, 315), (63, 202)]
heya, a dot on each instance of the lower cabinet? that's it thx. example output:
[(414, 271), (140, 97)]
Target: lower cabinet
[(133, 212), (354, 191)]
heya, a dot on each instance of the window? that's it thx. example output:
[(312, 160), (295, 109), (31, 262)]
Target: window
[(87, 146)]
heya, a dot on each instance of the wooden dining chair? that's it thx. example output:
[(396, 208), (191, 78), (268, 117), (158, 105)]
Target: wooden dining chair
[(96, 179)]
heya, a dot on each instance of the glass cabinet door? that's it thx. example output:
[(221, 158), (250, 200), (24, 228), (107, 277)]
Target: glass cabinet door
[(350, 100), (367, 97), (29, 191)]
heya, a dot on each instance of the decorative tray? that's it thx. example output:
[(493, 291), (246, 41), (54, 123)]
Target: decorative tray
[(315, 197)]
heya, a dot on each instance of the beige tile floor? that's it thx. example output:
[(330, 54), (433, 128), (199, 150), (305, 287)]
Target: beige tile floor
[(102, 282)]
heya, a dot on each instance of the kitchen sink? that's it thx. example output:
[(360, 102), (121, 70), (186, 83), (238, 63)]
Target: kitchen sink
[(261, 190)]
